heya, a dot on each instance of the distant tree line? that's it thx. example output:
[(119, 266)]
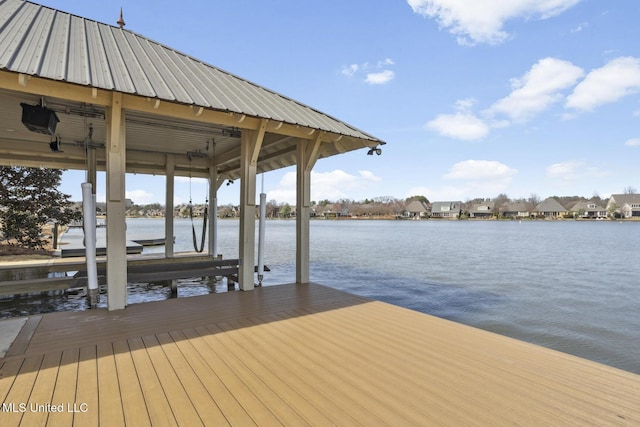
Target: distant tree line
[(382, 206)]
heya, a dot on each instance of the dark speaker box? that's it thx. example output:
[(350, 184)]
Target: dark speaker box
[(39, 119)]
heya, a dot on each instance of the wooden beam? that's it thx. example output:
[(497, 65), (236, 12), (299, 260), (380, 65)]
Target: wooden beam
[(313, 152), (57, 89), (303, 190), (169, 196), (251, 142)]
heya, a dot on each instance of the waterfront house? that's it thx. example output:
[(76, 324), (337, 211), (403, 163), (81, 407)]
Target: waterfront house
[(588, 210), (624, 205), (481, 210), (417, 209), (335, 210), (450, 210), (550, 208), (516, 210)]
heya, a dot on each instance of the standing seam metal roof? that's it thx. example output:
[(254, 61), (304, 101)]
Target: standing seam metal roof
[(37, 40)]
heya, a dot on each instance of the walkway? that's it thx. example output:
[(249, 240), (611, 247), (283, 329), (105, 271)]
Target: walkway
[(295, 355)]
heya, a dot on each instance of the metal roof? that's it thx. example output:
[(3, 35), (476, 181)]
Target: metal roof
[(39, 41)]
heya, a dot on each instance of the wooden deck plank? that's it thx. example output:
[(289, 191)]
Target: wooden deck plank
[(282, 400), (62, 330), (110, 400), (551, 373), (208, 344), (87, 388), (470, 388), (203, 403), (8, 371), (181, 405), (204, 365), (300, 355), (158, 408), (66, 387), (134, 406), (42, 392), (474, 370), (389, 359), (318, 399), (338, 370), (20, 391)]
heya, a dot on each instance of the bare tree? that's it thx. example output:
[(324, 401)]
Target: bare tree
[(630, 190)]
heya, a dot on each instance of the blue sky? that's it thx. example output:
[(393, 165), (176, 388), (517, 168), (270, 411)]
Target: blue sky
[(474, 98)]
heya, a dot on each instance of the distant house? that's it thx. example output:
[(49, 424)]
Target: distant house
[(335, 210), (481, 210), (417, 209), (516, 210), (550, 208), (450, 210), (625, 205), (588, 210)]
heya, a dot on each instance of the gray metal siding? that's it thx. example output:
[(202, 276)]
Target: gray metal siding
[(40, 41)]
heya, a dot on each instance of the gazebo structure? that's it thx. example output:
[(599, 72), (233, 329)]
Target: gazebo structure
[(108, 99)]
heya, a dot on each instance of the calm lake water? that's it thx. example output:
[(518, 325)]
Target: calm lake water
[(570, 286)]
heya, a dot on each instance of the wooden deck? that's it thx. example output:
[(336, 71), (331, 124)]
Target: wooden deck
[(295, 355)]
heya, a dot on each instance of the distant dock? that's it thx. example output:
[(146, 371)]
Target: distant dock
[(72, 243)]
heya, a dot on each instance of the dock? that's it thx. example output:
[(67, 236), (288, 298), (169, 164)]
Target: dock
[(25, 277), (72, 243), (295, 355)]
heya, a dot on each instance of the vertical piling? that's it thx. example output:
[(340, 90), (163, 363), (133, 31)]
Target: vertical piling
[(89, 221)]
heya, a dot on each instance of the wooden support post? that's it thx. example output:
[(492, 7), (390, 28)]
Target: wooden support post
[(116, 221), (250, 142), (306, 155), (168, 216)]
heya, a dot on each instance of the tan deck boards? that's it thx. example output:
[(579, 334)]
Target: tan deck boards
[(298, 355)]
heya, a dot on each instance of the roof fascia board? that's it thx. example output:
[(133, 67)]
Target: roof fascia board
[(34, 85)]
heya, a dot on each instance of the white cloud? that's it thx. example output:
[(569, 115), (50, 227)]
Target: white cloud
[(140, 197), (580, 27), (573, 171), (461, 125), (350, 70), (383, 77), (617, 79), (633, 142), (477, 177), (333, 185), (374, 75), (370, 176), (419, 191), (474, 21), (480, 170), (538, 89)]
